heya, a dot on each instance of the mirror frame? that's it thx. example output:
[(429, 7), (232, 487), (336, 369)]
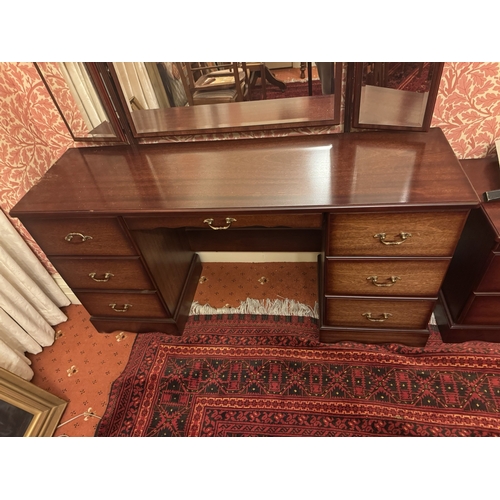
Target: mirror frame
[(95, 75), (355, 75)]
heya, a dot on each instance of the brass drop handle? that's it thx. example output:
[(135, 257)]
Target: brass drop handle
[(391, 280), (125, 308), (69, 237), (381, 236), (107, 276), (382, 317), (229, 221)]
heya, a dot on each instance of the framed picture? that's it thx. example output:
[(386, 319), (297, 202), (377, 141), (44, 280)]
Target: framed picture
[(27, 410)]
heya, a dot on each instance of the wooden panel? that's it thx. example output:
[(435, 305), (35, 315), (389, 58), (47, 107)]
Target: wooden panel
[(432, 233), (106, 236), (313, 220), (108, 325), (125, 273), (416, 338), (454, 332), (491, 277), (169, 258), (345, 312), (298, 173), (420, 278), (483, 310), (256, 240), (142, 305)]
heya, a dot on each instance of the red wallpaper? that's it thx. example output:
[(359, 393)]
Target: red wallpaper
[(468, 108), (33, 136)]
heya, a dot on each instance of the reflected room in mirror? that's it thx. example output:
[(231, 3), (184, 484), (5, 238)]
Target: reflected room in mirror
[(397, 95), (184, 98)]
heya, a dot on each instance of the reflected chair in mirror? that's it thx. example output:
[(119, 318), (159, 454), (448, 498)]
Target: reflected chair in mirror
[(210, 83)]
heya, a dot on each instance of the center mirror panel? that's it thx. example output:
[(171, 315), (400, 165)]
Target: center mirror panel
[(178, 98)]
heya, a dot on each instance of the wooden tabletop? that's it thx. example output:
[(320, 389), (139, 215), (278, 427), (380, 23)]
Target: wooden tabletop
[(357, 170)]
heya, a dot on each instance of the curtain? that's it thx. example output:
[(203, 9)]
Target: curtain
[(136, 84), (29, 302), (84, 93)]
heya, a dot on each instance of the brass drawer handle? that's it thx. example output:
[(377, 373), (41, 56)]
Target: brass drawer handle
[(392, 280), (107, 276), (381, 236), (229, 221), (383, 317), (125, 308), (69, 237)]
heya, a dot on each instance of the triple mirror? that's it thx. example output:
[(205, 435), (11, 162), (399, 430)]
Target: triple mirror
[(126, 102)]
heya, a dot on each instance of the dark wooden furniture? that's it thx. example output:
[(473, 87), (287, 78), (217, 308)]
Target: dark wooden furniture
[(384, 211), (469, 305)]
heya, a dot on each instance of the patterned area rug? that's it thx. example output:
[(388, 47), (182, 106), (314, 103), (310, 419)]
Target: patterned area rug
[(244, 375)]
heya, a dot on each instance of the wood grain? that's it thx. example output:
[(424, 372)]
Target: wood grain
[(418, 278)]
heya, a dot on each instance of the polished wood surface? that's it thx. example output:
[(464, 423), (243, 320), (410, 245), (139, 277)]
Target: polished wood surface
[(116, 273), (200, 221), (89, 236), (369, 313), (237, 116), (397, 277), (123, 304), (427, 233), (370, 169)]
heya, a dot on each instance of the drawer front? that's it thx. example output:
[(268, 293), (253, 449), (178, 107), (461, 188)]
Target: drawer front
[(419, 278), (86, 236), (395, 234), (373, 313), (227, 221), (126, 304), (103, 273), (491, 278), (484, 310)]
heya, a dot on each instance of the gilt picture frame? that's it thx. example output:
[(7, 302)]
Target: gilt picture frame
[(27, 410)]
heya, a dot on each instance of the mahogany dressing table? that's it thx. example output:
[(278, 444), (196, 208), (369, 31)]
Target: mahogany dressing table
[(384, 211)]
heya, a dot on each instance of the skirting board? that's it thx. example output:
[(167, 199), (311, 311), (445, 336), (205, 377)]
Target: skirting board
[(250, 257)]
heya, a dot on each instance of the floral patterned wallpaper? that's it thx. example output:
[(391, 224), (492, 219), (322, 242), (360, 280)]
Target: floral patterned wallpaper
[(33, 136), (468, 108)]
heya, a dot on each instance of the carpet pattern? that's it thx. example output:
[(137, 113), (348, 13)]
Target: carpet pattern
[(245, 375)]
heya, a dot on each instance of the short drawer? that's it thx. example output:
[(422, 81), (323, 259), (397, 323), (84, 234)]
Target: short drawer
[(126, 304), (419, 278), (383, 313), (395, 234), (491, 277), (85, 236), (227, 221), (103, 273)]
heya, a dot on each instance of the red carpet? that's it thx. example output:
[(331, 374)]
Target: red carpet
[(270, 376)]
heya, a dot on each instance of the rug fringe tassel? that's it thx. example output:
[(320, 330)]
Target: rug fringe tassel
[(277, 307)]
